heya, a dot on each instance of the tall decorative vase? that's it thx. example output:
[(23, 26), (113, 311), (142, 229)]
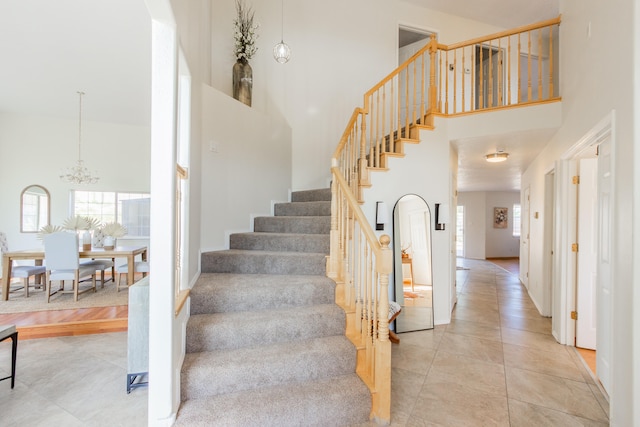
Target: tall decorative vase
[(86, 240), (242, 81)]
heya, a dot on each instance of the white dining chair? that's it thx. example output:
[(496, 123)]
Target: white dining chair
[(139, 267), (63, 263), (23, 272)]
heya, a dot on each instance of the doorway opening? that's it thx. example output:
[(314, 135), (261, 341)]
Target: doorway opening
[(460, 231), (489, 81)]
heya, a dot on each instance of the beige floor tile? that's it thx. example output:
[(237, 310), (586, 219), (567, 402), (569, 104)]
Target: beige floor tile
[(428, 339), (541, 325), (559, 364), (474, 329), (483, 350), (413, 358), (535, 340), (454, 405), (485, 377), (561, 394), (529, 313), (522, 414), (405, 387), (475, 314)]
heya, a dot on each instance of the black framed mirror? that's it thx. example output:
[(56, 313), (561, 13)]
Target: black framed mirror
[(35, 208), (413, 275)]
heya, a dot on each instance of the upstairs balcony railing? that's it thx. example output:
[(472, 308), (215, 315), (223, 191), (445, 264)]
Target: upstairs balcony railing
[(502, 70)]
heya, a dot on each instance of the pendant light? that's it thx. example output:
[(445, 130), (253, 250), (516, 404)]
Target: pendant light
[(497, 157), (79, 174), (281, 51)]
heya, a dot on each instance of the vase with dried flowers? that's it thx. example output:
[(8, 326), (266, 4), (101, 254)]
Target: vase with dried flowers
[(112, 231), (245, 35)]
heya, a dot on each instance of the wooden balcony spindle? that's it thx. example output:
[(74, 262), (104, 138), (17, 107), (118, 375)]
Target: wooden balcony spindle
[(509, 55), (455, 81), (414, 98), (423, 100), (392, 103), (481, 80), (551, 61), (490, 90), (463, 83), (446, 84), (529, 66), (519, 72), (540, 92)]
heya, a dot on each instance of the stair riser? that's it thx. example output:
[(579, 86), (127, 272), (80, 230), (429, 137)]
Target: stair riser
[(283, 224), (303, 209), (249, 297), (311, 195), (318, 243), (263, 263), (230, 372), (207, 332)]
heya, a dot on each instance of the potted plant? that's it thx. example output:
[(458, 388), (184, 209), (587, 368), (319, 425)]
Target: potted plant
[(245, 35), (112, 231)]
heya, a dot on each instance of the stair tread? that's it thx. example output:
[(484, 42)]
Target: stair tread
[(341, 400)]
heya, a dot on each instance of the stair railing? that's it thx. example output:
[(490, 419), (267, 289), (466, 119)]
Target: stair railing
[(503, 70), (360, 266)]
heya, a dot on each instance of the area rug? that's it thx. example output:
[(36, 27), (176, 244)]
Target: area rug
[(37, 300)]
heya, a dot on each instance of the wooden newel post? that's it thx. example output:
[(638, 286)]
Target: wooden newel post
[(382, 401)]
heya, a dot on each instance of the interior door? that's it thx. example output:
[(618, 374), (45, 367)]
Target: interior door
[(587, 254), (604, 288)]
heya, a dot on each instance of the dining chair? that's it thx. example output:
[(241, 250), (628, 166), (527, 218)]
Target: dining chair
[(63, 263), (22, 271), (9, 331), (139, 267), (101, 264)]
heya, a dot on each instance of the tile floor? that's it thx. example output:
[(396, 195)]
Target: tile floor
[(496, 364)]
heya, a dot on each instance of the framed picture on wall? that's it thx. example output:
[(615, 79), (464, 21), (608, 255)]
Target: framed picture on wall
[(500, 217)]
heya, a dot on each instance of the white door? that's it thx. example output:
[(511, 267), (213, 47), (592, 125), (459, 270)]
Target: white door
[(604, 288), (420, 248), (587, 254), (524, 239)]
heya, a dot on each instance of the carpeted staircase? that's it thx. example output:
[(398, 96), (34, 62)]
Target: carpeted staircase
[(265, 341)]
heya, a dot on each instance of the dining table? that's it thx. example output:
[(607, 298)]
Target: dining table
[(128, 252)]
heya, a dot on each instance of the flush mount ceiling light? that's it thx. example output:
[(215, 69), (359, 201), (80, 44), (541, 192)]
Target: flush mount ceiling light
[(281, 51), (497, 157)]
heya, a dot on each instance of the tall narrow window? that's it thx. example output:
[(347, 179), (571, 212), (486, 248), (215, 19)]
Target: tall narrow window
[(460, 231), (516, 220)]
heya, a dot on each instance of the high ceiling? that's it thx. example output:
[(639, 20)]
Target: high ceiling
[(52, 49)]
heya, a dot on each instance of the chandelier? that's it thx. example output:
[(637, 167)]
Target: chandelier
[(79, 174)]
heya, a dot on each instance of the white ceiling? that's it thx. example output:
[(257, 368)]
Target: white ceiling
[(52, 49)]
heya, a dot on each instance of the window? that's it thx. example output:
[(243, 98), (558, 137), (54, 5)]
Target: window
[(516, 220), (129, 209), (460, 231)]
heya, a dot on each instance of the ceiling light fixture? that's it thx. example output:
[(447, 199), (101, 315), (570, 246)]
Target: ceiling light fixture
[(79, 174), (281, 51), (497, 157)]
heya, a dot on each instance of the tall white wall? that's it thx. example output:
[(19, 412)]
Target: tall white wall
[(597, 79), (500, 242), (244, 167), (481, 239)]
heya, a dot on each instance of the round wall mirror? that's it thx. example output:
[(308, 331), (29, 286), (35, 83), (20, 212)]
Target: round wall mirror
[(34, 208), (412, 264)]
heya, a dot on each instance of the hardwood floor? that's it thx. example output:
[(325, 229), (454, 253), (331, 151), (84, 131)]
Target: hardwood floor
[(56, 323)]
